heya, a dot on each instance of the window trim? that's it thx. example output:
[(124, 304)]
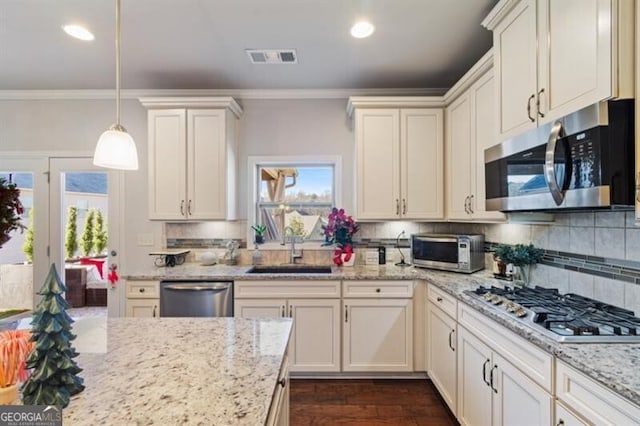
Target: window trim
[(254, 161)]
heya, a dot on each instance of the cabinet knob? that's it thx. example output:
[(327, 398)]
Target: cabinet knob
[(439, 299), (141, 290), (560, 423), (377, 290), (282, 382)]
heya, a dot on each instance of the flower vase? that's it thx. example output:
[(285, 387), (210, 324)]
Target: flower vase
[(522, 275), (9, 395), (350, 262)]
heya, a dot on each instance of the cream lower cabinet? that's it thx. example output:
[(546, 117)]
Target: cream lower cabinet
[(502, 378), (143, 299), (583, 401), (279, 410), (491, 391), (315, 308), (377, 326), (441, 353)]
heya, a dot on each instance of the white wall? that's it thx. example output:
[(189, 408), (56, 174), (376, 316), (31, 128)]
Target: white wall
[(268, 127)]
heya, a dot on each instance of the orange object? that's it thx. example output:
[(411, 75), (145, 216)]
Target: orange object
[(14, 350)]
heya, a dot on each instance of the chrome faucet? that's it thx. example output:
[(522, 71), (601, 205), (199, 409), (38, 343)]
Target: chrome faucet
[(294, 254)]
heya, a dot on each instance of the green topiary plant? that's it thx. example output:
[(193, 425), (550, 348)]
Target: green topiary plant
[(100, 235), (10, 210), (71, 235), (86, 239), (27, 246), (519, 255)]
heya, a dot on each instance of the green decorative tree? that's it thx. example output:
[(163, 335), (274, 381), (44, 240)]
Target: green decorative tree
[(27, 246), (100, 235), (71, 236), (86, 239), (54, 377)]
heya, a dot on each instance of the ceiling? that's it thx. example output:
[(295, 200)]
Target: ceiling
[(200, 44)]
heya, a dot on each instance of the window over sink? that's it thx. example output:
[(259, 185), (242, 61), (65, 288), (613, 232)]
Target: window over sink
[(292, 194)]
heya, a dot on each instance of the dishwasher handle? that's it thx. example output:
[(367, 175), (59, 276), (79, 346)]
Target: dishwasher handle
[(197, 287)]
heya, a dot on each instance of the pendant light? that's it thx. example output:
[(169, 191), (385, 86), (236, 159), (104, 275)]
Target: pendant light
[(116, 148)]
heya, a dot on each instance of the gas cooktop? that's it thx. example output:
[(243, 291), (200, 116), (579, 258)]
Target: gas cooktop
[(564, 317)]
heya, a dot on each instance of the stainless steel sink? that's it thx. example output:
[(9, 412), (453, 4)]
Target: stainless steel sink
[(290, 269)]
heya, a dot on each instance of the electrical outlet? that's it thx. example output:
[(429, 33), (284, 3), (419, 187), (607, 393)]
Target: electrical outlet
[(371, 258), (145, 240)]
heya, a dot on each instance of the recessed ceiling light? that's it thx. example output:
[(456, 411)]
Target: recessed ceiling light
[(79, 32), (362, 29)]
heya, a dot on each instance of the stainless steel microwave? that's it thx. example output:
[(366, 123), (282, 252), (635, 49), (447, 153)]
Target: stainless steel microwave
[(582, 161), (448, 252)]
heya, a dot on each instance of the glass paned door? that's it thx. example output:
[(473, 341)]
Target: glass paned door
[(83, 237), (23, 258)]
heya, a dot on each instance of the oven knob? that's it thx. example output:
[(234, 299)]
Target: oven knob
[(487, 296), (496, 300), (521, 312)]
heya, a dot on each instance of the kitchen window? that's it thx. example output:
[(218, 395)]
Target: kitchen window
[(292, 194)]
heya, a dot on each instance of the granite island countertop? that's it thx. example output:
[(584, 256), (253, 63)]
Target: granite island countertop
[(614, 365), (182, 370)]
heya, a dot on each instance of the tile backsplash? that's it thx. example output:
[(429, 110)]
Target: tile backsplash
[(582, 248)]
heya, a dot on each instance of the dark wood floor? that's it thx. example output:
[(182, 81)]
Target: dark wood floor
[(367, 402)]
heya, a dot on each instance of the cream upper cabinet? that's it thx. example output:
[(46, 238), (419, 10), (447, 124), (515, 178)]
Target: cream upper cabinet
[(192, 158), (470, 129), (554, 57), (399, 160)]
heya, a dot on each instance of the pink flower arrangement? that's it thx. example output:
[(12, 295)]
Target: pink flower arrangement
[(339, 231)]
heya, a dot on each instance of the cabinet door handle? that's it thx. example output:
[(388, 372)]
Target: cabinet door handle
[(346, 313), (290, 311), (450, 344), (470, 204), (484, 372), (397, 207), (182, 207), (560, 422), (155, 307), (282, 315), (404, 206), (538, 102), (532, 97), (466, 204), (495, 367), (282, 382), (189, 208)]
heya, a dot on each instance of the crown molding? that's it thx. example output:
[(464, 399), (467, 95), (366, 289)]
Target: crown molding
[(498, 13), (192, 102), (393, 102), (100, 94)]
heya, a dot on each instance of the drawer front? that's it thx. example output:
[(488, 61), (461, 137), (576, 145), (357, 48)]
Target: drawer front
[(286, 289), (143, 289), (443, 300), (591, 400), (527, 357), (378, 289)]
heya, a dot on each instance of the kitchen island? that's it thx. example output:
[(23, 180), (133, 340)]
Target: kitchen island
[(182, 371)]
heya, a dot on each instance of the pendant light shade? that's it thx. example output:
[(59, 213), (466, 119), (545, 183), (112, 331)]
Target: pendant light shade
[(116, 148)]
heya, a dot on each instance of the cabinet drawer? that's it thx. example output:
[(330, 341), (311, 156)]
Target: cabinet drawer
[(286, 289), (381, 289), (443, 300), (591, 400), (143, 289), (528, 358)]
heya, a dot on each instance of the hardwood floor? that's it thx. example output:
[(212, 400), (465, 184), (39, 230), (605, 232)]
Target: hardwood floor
[(367, 402)]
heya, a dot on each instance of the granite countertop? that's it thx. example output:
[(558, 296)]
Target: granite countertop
[(614, 365), (182, 370)]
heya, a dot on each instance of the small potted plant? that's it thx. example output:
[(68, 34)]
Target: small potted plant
[(521, 257), (339, 231), (259, 236), (10, 210)]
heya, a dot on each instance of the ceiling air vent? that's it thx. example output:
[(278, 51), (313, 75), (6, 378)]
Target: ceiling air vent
[(272, 56)]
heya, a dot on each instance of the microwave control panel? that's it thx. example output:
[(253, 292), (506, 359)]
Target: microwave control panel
[(463, 253)]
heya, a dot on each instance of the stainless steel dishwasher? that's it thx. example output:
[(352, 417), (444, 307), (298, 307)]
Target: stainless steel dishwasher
[(196, 298)]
